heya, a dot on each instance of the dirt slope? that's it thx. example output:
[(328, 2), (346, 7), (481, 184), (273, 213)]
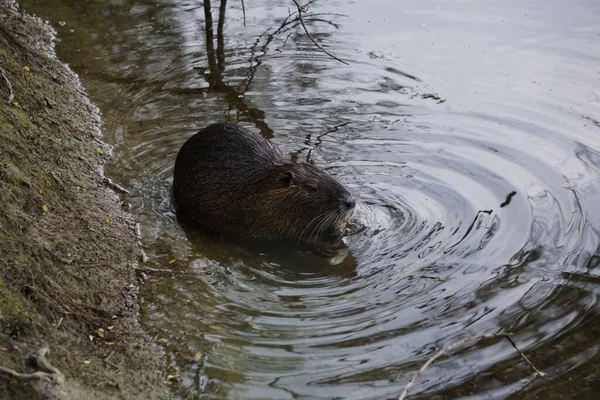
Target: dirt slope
[(66, 246)]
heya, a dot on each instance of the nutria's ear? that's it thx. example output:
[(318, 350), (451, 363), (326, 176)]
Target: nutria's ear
[(287, 178)]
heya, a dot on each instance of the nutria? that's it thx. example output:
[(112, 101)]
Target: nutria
[(234, 182)]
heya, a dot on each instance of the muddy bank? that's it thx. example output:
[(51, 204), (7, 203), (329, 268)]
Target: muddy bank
[(66, 246)]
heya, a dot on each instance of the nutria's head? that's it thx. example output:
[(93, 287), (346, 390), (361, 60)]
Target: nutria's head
[(306, 203)]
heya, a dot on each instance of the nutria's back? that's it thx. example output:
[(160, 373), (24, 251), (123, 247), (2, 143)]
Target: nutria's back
[(233, 181)]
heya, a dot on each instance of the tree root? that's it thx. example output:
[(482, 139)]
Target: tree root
[(11, 95), (45, 370), (451, 346)]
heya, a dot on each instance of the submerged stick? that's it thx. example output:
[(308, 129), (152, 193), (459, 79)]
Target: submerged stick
[(300, 12), (537, 371), (460, 343)]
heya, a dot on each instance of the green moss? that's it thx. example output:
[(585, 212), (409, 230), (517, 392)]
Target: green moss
[(5, 127), (21, 117), (6, 58), (14, 320)]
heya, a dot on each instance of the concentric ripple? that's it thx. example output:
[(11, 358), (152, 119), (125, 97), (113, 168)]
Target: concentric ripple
[(468, 133)]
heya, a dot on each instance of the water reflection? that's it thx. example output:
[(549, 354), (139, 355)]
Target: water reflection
[(468, 132)]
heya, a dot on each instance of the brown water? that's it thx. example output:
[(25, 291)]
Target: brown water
[(445, 108)]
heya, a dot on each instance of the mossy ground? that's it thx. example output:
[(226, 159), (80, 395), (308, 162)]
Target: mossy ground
[(65, 243)]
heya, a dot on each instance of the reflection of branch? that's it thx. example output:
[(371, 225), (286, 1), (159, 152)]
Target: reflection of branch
[(318, 141), (300, 11), (286, 25), (221, 37), (255, 62), (234, 97), (244, 12), (460, 343), (216, 60), (210, 47)]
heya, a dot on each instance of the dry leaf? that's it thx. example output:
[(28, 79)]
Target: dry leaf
[(86, 362), (172, 260), (99, 150), (197, 357), (45, 208), (26, 68), (100, 332)]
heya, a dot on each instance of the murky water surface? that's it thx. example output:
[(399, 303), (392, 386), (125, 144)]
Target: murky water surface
[(468, 131)]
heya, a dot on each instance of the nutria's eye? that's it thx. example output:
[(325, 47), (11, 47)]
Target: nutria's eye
[(287, 178)]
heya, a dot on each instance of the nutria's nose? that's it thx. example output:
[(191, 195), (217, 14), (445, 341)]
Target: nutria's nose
[(349, 203)]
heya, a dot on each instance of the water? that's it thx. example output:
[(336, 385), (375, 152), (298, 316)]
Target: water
[(469, 133)]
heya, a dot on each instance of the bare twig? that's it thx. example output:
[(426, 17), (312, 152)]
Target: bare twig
[(11, 95), (45, 370), (107, 359), (458, 344), (244, 12), (301, 10), (108, 381)]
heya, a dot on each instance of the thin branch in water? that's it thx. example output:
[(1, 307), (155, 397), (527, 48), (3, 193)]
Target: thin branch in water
[(537, 371), (460, 343), (11, 95), (301, 10), (114, 186), (149, 271), (244, 12)]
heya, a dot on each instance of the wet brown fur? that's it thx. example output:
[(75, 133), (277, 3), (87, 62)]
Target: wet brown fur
[(233, 181)]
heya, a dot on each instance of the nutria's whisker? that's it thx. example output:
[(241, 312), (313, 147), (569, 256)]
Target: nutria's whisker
[(308, 225), (326, 223), (315, 228)]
